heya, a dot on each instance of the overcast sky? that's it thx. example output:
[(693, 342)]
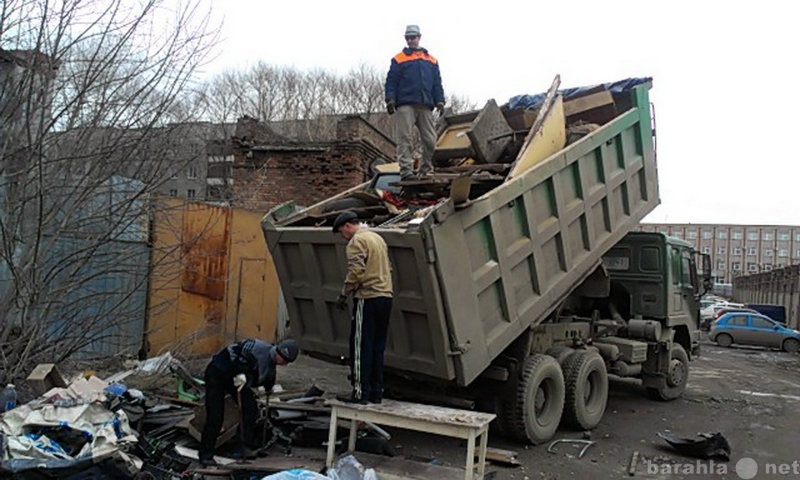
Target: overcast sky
[(725, 75)]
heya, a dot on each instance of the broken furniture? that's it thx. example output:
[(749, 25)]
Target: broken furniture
[(451, 422)]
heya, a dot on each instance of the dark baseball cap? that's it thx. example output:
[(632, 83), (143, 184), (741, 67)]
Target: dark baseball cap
[(344, 217)]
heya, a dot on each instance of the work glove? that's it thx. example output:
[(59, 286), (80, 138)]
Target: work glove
[(341, 302), (440, 108), (390, 106), (239, 381)]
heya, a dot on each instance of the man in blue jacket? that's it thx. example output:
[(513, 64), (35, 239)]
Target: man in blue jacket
[(237, 369), (413, 90)]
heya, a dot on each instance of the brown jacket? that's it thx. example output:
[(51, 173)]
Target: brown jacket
[(369, 273)]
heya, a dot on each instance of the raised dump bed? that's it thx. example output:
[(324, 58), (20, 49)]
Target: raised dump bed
[(471, 278)]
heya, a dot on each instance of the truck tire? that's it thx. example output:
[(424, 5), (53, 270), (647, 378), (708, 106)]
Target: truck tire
[(533, 414), (677, 377), (586, 384)]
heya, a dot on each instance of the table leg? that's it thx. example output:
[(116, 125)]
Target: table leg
[(351, 443), (482, 454), (331, 439), (470, 473)]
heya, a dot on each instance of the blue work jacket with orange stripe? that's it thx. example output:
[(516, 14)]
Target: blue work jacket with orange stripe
[(414, 79)]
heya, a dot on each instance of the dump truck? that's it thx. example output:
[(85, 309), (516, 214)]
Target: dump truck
[(523, 296)]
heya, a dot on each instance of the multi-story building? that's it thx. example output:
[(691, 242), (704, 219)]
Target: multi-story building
[(738, 249)]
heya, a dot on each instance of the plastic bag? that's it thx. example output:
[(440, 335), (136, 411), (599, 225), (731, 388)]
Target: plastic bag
[(348, 468), (296, 474)]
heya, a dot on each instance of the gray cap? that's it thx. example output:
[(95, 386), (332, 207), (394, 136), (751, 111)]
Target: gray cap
[(289, 350), (412, 30), (344, 217)]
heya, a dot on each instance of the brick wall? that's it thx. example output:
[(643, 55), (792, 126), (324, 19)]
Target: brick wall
[(269, 169), (305, 176)]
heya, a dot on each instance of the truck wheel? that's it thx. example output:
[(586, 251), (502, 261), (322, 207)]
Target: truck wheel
[(677, 376), (535, 411), (791, 345), (586, 382), (724, 340)]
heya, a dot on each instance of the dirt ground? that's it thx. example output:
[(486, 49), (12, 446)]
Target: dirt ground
[(749, 395)]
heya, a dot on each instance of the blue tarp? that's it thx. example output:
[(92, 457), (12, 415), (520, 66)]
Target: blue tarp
[(533, 101)]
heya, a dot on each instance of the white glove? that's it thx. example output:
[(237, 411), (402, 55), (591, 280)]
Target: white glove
[(239, 381)]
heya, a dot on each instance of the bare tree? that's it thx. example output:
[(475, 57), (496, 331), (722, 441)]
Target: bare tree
[(89, 88)]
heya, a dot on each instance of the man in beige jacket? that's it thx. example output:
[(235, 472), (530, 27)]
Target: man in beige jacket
[(369, 281)]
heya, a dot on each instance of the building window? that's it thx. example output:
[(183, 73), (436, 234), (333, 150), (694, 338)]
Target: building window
[(736, 235), (752, 235), (797, 253), (721, 266), (769, 236), (797, 237), (783, 252), (722, 235), (706, 249), (768, 252), (691, 234), (767, 266), (737, 251), (751, 251), (706, 235), (721, 250), (736, 266), (752, 267), (677, 234), (784, 236), (173, 192), (192, 171), (190, 193)]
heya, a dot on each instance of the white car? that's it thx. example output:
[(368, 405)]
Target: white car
[(711, 310)]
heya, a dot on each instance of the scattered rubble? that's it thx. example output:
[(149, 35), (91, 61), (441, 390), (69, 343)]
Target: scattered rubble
[(145, 422)]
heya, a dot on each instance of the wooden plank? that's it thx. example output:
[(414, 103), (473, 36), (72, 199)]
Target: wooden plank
[(587, 102), (550, 138), (547, 135), (502, 457)]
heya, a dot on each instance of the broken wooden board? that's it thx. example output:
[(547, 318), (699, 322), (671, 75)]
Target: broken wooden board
[(597, 107), (547, 136), (502, 457)]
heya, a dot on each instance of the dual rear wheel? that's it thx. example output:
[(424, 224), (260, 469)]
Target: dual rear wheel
[(548, 395)]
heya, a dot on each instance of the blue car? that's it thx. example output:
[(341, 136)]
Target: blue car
[(745, 328)]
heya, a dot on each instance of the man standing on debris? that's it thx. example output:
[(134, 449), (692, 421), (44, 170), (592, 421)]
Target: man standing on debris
[(237, 369), (369, 280), (413, 89)]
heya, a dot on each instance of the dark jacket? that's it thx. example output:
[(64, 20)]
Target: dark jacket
[(414, 79), (255, 358)]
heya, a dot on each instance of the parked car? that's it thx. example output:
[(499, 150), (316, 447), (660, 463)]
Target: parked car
[(745, 328), (711, 310), (705, 323)]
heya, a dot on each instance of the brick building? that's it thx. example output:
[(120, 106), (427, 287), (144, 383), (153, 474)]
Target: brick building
[(270, 168), (738, 249)]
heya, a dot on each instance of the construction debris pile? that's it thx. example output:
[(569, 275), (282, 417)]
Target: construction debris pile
[(145, 422), (478, 151)]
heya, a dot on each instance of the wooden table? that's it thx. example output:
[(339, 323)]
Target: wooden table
[(450, 422)]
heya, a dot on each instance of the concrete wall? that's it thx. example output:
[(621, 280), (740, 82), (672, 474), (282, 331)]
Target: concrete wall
[(780, 287)]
